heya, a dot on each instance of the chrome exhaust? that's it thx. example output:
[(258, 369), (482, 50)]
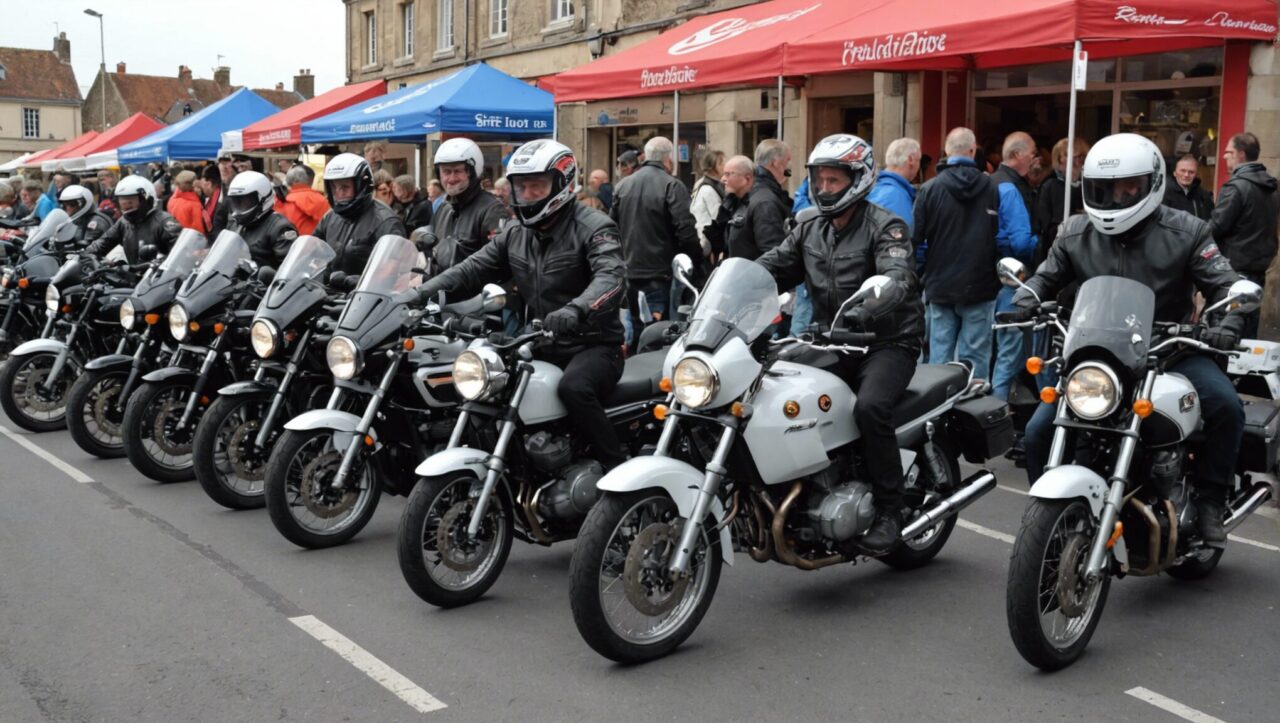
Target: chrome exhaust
[(978, 484), (1248, 504)]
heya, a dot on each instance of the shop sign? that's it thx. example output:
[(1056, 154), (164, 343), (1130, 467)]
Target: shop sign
[(723, 30)]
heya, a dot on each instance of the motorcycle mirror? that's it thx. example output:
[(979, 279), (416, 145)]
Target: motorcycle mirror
[(1011, 271), (1244, 296), (424, 239), (873, 286), (247, 267), (147, 252), (784, 298), (337, 278), (682, 264), (493, 298), (266, 274)]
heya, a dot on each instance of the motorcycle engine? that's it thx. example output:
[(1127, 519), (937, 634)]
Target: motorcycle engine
[(845, 512), (548, 452), (571, 496)]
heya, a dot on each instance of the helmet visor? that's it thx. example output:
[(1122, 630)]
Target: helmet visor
[(528, 189), (244, 204), (829, 182), (1117, 194)]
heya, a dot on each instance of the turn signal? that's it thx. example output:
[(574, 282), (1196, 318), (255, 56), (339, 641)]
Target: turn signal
[(1143, 408), (665, 384), (738, 409), (218, 327), (1115, 535), (1049, 395), (152, 319), (408, 344), (368, 441), (24, 282), (194, 326), (66, 308), (1034, 365), (204, 401), (660, 412)]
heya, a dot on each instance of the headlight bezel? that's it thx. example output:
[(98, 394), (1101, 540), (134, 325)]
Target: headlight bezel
[(128, 314), (493, 377), (53, 303), (178, 320), (272, 338), (346, 368), (1075, 401), (705, 388)]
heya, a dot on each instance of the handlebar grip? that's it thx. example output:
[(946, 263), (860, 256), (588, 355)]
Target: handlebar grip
[(471, 327), (1012, 317), (852, 338)]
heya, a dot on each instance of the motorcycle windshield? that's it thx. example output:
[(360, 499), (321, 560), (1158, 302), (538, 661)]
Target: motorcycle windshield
[(47, 230), (297, 286), (69, 271), (1114, 314), (390, 267), (308, 258), (214, 275), (190, 248), (741, 296)]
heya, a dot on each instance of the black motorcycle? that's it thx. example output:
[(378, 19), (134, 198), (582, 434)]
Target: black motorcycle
[(23, 281)]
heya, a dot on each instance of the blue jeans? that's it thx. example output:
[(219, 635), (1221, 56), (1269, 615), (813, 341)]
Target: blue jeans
[(962, 332), (802, 314), (1009, 353), (656, 294)]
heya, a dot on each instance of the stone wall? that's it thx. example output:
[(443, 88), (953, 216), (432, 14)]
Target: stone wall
[(1262, 118)]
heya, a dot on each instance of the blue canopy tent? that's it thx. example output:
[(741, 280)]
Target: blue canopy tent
[(198, 137), (476, 99)]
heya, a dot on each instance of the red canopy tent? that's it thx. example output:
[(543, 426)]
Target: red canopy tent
[(126, 131), (284, 128), (71, 145)]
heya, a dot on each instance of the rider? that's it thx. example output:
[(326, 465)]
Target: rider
[(567, 260), (77, 202), (355, 221), (251, 201), (833, 253), (1127, 232), (141, 222), (469, 218)]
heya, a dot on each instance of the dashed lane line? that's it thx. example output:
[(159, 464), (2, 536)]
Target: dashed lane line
[(1170, 705), (1254, 543)]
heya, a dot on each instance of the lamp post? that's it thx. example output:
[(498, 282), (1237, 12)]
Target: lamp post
[(102, 70)]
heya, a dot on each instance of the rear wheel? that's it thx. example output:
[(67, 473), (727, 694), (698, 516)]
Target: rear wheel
[(154, 443), (919, 550), (229, 464), (1197, 565), (95, 412), (301, 499), (26, 400)]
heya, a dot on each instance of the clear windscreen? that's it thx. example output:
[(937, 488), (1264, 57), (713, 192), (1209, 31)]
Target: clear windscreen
[(190, 248), (225, 256), (391, 267), (1115, 314), (47, 228), (308, 258), (741, 294)]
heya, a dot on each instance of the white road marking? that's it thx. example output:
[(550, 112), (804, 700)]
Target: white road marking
[(47, 456), (383, 674), (987, 531), (1255, 543), (1014, 490), (1172, 706)]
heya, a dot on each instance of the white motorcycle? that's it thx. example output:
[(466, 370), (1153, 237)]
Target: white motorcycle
[(781, 477)]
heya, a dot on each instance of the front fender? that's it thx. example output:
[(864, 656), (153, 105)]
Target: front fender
[(456, 459), (109, 362), (1072, 481), (171, 373), (247, 388), (39, 346), (680, 480), (342, 424)]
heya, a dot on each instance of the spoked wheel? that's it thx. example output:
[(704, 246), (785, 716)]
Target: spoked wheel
[(228, 462), (1052, 611), (441, 563), (96, 412), (625, 603), (153, 440), (26, 400), (299, 492), (922, 548)]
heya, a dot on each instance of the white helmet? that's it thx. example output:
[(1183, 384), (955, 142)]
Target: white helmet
[(461, 150), (541, 158), (251, 197), (1123, 182), (349, 165), (78, 195), (850, 154), (144, 189)]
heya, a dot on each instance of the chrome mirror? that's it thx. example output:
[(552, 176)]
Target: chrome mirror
[(493, 298)]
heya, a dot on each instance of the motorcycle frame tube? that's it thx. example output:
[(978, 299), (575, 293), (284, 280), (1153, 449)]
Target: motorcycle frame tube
[(277, 400), (714, 473), (366, 421), (496, 463)]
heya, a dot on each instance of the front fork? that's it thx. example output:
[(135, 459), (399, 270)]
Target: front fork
[(366, 422), (496, 462), (196, 389), (60, 362), (715, 472), (135, 369), (277, 401)]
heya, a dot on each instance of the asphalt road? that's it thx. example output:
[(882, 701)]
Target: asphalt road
[(125, 600)]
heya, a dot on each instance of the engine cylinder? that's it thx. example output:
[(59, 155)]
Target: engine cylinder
[(845, 512)]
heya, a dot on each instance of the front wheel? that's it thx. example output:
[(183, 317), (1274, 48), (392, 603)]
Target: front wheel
[(229, 464), (625, 604), (1052, 610), (301, 499), (441, 563), (153, 441), (26, 400), (95, 412)]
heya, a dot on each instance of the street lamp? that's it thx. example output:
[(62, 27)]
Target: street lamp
[(102, 71)]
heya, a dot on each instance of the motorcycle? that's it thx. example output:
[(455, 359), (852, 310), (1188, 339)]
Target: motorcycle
[(98, 397), (780, 472), (1125, 506), (237, 432), (209, 319), (27, 275)]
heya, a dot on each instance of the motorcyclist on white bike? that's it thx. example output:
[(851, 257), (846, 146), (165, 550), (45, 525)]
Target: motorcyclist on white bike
[(1126, 232)]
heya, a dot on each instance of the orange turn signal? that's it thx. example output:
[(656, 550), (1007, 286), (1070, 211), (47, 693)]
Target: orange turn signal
[(1049, 395), (660, 412), (408, 344), (665, 384), (204, 401), (24, 282), (1143, 408), (152, 319), (218, 327), (66, 308), (368, 441), (1034, 365), (1115, 535), (738, 409), (194, 326)]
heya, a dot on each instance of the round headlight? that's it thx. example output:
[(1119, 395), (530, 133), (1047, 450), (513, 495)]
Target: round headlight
[(6, 277), (51, 298), (695, 382), (262, 335), (178, 322), (470, 376), (126, 314), (1093, 391), (343, 357)]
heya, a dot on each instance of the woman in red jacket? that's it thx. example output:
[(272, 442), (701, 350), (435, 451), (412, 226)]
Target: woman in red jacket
[(185, 205)]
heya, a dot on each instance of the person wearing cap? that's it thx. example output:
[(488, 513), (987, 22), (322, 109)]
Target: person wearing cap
[(355, 221)]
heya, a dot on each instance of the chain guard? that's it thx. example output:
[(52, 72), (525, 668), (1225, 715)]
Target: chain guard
[(648, 587), (318, 496), (467, 556)]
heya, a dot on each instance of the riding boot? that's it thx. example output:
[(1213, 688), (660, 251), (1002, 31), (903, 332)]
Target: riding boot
[(1211, 504), (884, 532)]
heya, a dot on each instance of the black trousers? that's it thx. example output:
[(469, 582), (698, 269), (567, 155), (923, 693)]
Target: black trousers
[(879, 378), (589, 379)]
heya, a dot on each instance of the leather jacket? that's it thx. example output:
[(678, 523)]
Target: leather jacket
[(651, 207), (157, 228), (353, 239), (464, 224), (269, 238), (92, 226), (760, 223), (1244, 221)]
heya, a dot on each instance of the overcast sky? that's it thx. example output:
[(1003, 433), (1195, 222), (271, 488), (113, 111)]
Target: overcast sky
[(263, 41)]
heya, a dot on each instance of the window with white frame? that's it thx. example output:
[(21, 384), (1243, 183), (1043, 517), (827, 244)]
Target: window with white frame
[(444, 25), (407, 23), (497, 18), (561, 11), (371, 38), (30, 122)]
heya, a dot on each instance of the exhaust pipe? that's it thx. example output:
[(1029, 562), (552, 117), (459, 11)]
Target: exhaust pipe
[(1247, 505), (977, 485)]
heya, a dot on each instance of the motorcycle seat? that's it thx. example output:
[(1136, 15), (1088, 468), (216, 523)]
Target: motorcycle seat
[(640, 376), (931, 385)]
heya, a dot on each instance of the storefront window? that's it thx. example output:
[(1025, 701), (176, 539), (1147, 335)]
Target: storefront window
[(693, 137), (1044, 116), (1043, 75), (1178, 120), (1177, 65)]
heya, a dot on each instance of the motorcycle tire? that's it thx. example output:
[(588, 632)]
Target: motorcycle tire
[(87, 429), (142, 415), (919, 551), (15, 393), (296, 452), (592, 552), (211, 456), (445, 499), (1036, 542), (1197, 566)]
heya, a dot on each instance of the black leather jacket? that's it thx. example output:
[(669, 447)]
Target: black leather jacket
[(1196, 200), (576, 262), (353, 240), (1171, 252), (269, 239), (157, 228), (758, 225), (834, 264), (92, 226), (1244, 221), (652, 210), (465, 224)]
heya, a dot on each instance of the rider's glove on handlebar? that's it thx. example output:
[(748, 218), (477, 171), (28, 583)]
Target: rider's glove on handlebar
[(562, 321), (1223, 338)]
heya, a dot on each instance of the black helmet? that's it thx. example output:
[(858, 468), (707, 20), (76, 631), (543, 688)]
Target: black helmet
[(349, 165)]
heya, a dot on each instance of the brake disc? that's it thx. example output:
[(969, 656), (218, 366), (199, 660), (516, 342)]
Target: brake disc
[(34, 396), (457, 552), (318, 495), (103, 404), (648, 586), (1071, 590), (245, 458), (168, 416)]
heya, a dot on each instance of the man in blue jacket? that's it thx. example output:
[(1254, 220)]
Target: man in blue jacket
[(893, 190), (1015, 238)]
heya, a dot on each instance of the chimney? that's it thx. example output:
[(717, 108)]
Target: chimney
[(62, 47), (184, 75), (120, 68), (304, 83), (279, 86), (222, 76)]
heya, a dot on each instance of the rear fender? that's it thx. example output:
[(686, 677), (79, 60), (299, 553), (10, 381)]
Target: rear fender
[(1072, 481), (680, 480), (110, 362), (342, 424)]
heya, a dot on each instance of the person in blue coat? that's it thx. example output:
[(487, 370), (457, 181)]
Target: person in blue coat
[(802, 313), (1015, 238), (893, 190)]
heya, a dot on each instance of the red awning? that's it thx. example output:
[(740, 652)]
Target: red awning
[(126, 131), (59, 151), (284, 128)]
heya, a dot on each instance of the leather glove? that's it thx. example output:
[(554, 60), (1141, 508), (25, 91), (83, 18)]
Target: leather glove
[(430, 290), (562, 321), (1016, 315), (1223, 338), (1024, 299), (859, 318)]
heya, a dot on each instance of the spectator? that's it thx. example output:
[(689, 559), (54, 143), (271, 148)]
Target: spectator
[(218, 210), (651, 208), (382, 182), (435, 193), (241, 164), (737, 178), (502, 189), (1015, 238), (185, 205), (956, 221), (304, 206), (414, 209), (588, 199), (893, 190), (47, 200), (284, 164), (1244, 221), (760, 224), (598, 183), (708, 194), (9, 206), (1052, 194), (1185, 192), (374, 151), (802, 311), (107, 193), (628, 162), (31, 194)]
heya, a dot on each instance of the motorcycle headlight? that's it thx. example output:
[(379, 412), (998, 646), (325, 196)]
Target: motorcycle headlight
[(695, 382), (343, 357), (263, 337), (126, 314), (178, 322), (6, 276), (478, 373), (1093, 391), (51, 298)]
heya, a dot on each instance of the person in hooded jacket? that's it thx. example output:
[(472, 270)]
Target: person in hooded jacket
[(893, 190), (469, 217), (141, 222), (303, 205), (251, 214), (354, 222), (1244, 221), (77, 202), (1185, 192)]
